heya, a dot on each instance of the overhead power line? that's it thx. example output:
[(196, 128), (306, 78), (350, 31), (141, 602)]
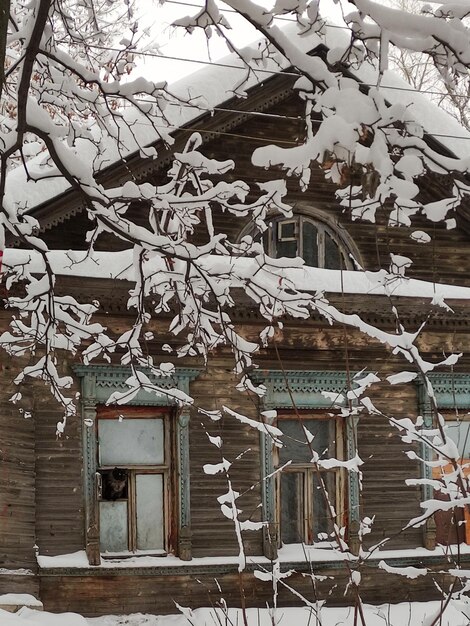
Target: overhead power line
[(260, 70), (265, 139), (295, 118), (282, 18)]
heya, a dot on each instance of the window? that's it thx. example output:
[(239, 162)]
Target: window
[(454, 526), (302, 506), (452, 396), (172, 504), (459, 432), (310, 239), (134, 479), (305, 390)]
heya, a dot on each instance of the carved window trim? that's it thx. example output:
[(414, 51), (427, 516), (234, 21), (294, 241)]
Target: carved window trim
[(304, 390), (97, 384)]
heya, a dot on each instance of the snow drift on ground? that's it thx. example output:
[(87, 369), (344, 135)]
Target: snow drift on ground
[(416, 614)]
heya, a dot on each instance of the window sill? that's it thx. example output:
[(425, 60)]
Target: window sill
[(122, 556), (76, 564)]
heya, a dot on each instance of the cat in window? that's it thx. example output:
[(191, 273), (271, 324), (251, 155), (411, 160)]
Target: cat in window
[(115, 484)]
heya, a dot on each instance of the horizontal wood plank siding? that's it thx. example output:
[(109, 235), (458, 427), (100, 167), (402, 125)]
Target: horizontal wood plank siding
[(17, 477), (213, 534), (60, 522), (114, 593), (41, 480)]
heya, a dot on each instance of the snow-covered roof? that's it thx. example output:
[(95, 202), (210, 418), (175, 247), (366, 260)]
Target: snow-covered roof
[(119, 266), (211, 87)]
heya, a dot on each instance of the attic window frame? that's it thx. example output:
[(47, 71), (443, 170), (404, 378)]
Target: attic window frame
[(274, 237)]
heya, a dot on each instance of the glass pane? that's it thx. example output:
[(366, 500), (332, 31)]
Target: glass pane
[(292, 507), (332, 254), (286, 230), (287, 249), (295, 446), (310, 244), (113, 526), (131, 442), (149, 509), (320, 521), (459, 433)]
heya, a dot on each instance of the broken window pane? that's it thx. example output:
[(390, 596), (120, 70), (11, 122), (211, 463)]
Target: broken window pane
[(131, 442), (114, 484)]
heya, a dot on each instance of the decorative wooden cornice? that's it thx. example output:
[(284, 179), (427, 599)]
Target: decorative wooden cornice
[(451, 390), (104, 379), (303, 387), (373, 309)]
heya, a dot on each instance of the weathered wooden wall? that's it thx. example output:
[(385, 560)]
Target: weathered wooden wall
[(212, 533), (445, 259), (60, 523), (17, 489), (116, 593), (54, 465)]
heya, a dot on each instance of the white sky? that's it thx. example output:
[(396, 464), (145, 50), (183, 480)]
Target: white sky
[(178, 43)]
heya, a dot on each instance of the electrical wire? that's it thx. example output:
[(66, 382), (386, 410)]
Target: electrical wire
[(295, 118), (273, 116), (203, 131), (274, 140), (265, 71), (248, 112), (285, 19), (169, 57), (282, 18)]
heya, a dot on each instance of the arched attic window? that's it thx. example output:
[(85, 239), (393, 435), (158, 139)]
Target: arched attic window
[(316, 241)]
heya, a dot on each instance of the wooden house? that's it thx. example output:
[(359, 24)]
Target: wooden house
[(117, 515)]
